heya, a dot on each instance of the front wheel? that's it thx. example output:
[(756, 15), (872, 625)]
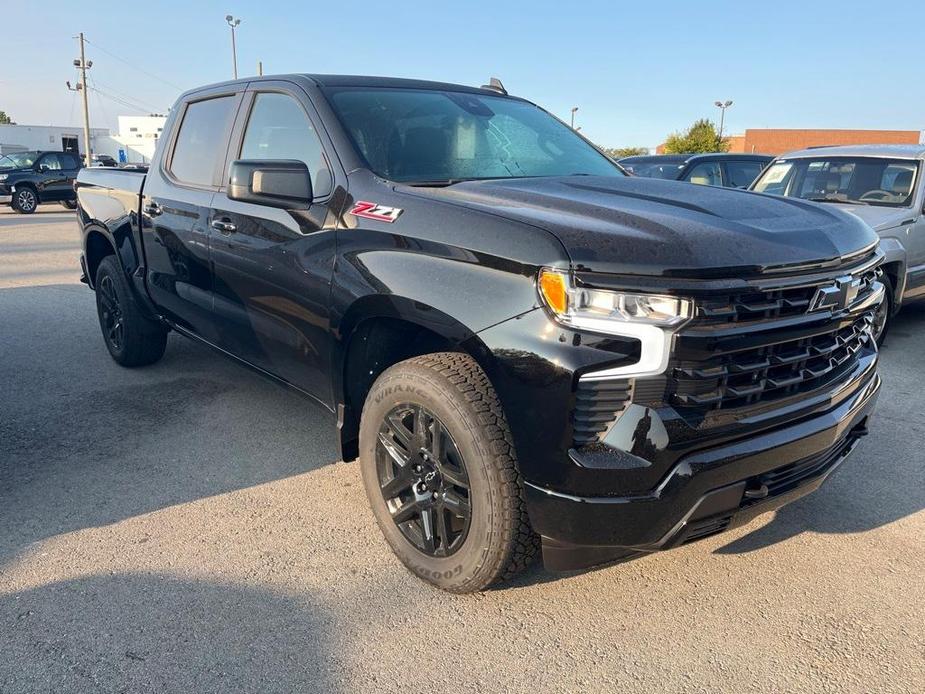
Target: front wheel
[(25, 200), (440, 471)]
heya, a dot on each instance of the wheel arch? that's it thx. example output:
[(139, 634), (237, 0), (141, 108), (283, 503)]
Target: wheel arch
[(379, 331), (894, 267), (97, 245)]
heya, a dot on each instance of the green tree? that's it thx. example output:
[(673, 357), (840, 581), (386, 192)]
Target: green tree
[(620, 152), (5, 119), (700, 137)]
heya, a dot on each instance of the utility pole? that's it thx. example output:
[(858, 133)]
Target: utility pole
[(232, 22), (82, 65), (574, 108)]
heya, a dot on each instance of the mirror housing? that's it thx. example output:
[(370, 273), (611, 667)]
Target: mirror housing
[(284, 183)]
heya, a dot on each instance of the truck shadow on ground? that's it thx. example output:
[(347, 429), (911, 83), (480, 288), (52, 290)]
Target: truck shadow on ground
[(85, 443), (884, 479), (162, 633)]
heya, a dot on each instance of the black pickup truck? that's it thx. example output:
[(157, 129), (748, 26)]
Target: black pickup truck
[(525, 348), (28, 179)]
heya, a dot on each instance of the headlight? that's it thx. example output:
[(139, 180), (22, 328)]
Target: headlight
[(3, 177), (650, 318), (604, 310)]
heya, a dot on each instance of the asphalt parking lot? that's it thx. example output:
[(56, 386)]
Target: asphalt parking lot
[(186, 528)]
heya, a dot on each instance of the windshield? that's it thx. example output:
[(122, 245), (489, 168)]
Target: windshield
[(661, 169), (429, 136), (19, 160), (851, 180)]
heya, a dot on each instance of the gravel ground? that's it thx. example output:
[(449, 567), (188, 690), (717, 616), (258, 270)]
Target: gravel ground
[(186, 528)]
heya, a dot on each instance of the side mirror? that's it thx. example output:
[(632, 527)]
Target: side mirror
[(282, 183)]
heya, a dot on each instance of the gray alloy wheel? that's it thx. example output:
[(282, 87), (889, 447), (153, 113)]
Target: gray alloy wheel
[(25, 200)]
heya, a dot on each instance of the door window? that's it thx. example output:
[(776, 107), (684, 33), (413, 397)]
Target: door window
[(742, 173), (200, 148), (706, 174), (278, 128), (51, 162)]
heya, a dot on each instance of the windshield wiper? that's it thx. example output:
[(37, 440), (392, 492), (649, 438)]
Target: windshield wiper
[(834, 199)]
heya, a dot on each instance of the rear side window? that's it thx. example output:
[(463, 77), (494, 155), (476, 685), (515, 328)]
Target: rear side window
[(278, 128), (200, 148), (68, 161), (706, 174), (742, 173)]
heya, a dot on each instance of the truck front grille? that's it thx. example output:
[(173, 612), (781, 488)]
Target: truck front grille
[(754, 347), (771, 371)]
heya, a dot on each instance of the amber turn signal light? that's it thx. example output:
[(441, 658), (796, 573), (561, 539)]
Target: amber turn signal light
[(552, 287)]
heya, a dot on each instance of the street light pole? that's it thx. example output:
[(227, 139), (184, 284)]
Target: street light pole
[(232, 22), (574, 108), (722, 106)]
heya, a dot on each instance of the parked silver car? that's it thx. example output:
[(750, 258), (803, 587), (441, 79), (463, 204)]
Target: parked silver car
[(883, 185)]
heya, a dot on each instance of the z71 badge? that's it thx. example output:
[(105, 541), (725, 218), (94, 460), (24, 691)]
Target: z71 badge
[(371, 210)]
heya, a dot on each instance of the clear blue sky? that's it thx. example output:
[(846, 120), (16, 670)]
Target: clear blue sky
[(637, 71)]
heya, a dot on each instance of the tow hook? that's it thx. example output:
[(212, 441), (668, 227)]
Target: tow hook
[(759, 493)]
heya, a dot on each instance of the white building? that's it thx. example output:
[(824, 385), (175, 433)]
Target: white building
[(22, 138), (135, 141)]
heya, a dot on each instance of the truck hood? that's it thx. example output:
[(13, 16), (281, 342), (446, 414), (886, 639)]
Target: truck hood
[(13, 169), (878, 217), (654, 227)]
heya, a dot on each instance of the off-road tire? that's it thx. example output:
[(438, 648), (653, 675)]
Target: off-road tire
[(143, 340), (500, 542)]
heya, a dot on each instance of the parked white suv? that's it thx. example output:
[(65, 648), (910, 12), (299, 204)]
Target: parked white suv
[(881, 184)]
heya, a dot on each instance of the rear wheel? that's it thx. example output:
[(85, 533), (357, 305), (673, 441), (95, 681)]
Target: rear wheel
[(132, 338), (25, 200), (70, 204), (440, 472)]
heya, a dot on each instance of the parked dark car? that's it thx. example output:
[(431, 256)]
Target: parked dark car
[(28, 179), (724, 169), (525, 347)]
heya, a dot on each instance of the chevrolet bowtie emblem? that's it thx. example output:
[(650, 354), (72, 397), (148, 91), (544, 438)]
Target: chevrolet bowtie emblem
[(837, 296)]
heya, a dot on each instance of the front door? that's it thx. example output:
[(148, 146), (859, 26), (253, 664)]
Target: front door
[(175, 212), (54, 183), (273, 267)]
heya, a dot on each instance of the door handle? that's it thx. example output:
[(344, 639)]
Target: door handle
[(224, 226), (152, 209)]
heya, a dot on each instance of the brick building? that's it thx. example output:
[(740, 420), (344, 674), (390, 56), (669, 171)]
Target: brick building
[(779, 141)]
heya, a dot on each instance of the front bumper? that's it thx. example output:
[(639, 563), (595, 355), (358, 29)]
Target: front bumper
[(705, 492)]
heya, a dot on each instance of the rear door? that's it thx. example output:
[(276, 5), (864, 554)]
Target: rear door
[(273, 267), (741, 173), (706, 173), (70, 166), (175, 208)]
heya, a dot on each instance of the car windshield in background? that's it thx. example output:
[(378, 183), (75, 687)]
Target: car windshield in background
[(19, 160), (439, 137), (849, 180), (666, 170)]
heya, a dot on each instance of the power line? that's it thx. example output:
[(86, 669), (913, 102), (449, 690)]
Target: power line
[(123, 102), (126, 97), (132, 65)]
